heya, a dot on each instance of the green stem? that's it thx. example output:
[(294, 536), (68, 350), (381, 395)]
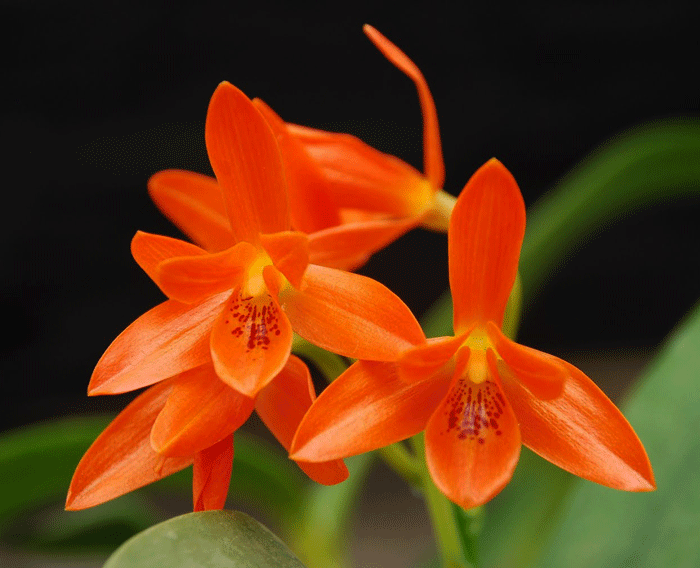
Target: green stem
[(398, 458), (329, 364), (445, 527)]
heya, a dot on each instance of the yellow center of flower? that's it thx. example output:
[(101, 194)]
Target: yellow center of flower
[(254, 281), (477, 365)]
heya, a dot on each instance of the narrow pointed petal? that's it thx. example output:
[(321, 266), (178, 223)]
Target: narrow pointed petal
[(250, 342), (349, 246), (351, 315), (211, 475), (433, 162), (289, 252), (424, 360), (472, 441), (150, 250), (582, 432), (541, 373), (360, 177), (121, 459), (191, 279), (201, 411), (282, 404), (194, 203), (486, 231), (247, 163), (309, 204), (166, 340), (367, 407)]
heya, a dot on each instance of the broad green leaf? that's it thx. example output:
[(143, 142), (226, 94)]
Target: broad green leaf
[(604, 527), (210, 539)]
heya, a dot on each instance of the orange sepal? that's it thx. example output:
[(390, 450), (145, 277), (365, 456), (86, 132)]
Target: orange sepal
[(192, 279), (433, 163), (309, 205), (424, 360), (351, 315), (250, 342), (201, 410), (282, 404), (583, 432), (121, 459), (360, 177), (486, 230), (472, 441), (367, 407), (211, 475), (194, 203), (289, 252), (150, 250), (247, 163), (166, 340), (350, 245), (540, 372)]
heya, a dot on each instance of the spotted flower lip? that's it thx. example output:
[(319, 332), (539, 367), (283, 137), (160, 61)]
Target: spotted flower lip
[(478, 395), (220, 346)]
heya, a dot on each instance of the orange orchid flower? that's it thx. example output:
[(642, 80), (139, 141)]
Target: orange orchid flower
[(191, 419), (351, 199), (223, 338), (478, 395)]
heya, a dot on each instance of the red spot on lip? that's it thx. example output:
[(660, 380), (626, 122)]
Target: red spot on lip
[(473, 410), (254, 318)]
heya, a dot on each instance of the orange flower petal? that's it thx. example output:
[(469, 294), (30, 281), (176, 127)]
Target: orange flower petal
[(194, 203), (360, 177), (289, 252), (250, 342), (582, 432), (150, 250), (424, 360), (247, 163), (201, 411), (211, 475), (166, 340), (282, 404), (540, 372), (351, 315), (309, 205), (192, 279), (121, 459), (433, 163), (367, 407), (486, 231), (349, 246), (472, 441)]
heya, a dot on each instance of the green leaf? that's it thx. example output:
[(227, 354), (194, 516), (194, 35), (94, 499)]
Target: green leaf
[(211, 539), (604, 527), (652, 163)]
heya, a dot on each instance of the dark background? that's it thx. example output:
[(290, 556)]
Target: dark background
[(99, 96)]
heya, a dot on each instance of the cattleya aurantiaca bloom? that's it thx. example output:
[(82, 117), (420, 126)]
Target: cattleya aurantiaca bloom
[(478, 395), (351, 199), (220, 345)]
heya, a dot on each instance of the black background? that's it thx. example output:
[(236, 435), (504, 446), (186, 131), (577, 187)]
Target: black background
[(99, 96)]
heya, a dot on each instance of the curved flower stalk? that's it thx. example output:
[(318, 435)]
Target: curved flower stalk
[(351, 199), (223, 338), (478, 395)]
